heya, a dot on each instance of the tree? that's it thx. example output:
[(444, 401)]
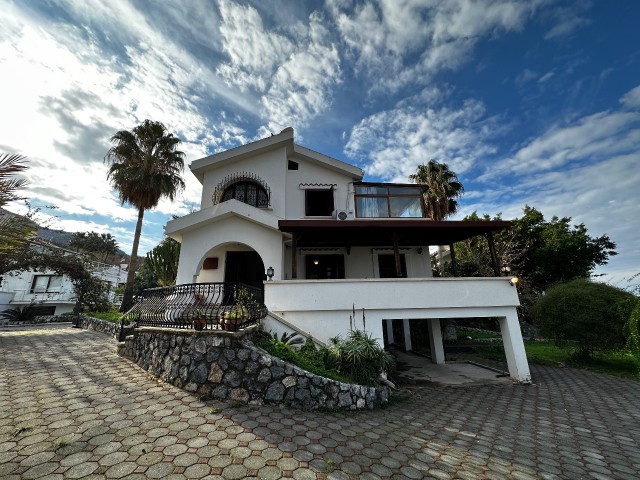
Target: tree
[(145, 166), (15, 230), (103, 244), (162, 261), (540, 252), (590, 315), (441, 187)]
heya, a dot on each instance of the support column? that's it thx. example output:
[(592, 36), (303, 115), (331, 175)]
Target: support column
[(294, 255), (407, 334), (389, 325), (514, 347), (435, 341)]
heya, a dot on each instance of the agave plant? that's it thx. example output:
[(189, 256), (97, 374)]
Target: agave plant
[(360, 357), (19, 314)]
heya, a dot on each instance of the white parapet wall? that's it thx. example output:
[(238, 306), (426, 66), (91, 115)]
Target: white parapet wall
[(322, 307)]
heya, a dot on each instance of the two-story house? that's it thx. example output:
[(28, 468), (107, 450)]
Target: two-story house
[(321, 243), (51, 293)]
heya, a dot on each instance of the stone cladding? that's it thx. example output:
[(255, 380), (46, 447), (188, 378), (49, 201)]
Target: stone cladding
[(90, 323), (228, 366)]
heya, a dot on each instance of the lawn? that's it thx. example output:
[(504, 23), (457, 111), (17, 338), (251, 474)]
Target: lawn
[(618, 362)]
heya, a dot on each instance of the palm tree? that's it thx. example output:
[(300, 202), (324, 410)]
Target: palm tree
[(144, 167), (15, 230), (441, 188)]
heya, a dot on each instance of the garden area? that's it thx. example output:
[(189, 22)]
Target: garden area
[(580, 324)]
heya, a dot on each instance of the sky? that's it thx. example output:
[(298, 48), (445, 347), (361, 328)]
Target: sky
[(532, 102)]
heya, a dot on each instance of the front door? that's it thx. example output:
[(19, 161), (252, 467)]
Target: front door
[(245, 267)]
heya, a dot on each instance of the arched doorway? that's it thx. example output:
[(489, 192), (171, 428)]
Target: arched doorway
[(245, 267)]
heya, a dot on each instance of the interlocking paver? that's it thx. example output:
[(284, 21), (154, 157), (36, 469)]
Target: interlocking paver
[(70, 408)]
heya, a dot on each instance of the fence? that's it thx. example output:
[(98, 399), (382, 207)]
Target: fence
[(201, 306)]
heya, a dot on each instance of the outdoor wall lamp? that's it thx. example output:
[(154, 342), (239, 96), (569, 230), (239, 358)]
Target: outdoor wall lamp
[(505, 269), (514, 281), (270, 273), (419, 250)]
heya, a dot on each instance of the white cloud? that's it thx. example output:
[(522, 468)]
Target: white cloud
[(67, 94), (567, 20), (392, 143), (590, 138), (631, 99), (301, 87), (396, 43), (293, 69), (255, 53)]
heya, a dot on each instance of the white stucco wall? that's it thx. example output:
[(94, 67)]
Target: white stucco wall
[(322, 308), (270, 166), (230, 233), (310, 173)]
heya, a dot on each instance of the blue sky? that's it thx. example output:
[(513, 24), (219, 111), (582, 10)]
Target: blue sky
[(531, 102)]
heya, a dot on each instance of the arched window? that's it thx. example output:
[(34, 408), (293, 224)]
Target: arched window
[(248, 192)]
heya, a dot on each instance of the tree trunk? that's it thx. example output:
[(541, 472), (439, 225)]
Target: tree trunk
[(127, 298)]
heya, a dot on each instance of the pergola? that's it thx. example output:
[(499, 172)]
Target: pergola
[(389, 233)]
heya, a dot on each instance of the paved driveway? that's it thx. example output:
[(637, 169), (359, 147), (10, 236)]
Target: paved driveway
[(70, 408)]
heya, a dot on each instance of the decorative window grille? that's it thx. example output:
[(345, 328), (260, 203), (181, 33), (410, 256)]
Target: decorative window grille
[(245, 187)]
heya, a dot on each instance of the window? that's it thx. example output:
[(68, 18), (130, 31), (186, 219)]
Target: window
[(388, 201), (319, 203), (387, 266), (46, 283), (247, 192), (324, 266)]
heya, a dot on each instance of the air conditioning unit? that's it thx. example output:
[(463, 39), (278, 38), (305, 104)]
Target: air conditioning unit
[(343, 214)]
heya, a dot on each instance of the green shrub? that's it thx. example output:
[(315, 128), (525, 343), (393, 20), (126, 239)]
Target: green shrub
[(308, 357), (590, 316), (360, 357), (20, 314), (633, 328), (113, 317)]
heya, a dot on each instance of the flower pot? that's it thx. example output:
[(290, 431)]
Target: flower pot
[(199, 323)]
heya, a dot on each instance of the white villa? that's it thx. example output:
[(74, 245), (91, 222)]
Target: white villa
[(320, 242), (51, 293)]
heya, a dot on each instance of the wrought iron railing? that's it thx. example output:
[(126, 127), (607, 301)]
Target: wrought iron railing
[(201, 306)]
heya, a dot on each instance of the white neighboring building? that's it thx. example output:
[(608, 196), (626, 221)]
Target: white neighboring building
[(334, 244), (53, 294)]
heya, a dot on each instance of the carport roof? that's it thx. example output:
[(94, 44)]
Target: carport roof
[(381, 232)]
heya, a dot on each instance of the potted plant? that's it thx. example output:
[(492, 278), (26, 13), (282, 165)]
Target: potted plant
[(198, 319), (198, 315), (231, 318)]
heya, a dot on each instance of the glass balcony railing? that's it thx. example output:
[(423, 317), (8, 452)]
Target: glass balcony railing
[(380, 200)]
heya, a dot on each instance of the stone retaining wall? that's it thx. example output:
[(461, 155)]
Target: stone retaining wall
[(90, 323), (228, 366)]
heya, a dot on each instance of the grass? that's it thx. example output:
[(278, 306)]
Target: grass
[(113, 317), (618, 362)]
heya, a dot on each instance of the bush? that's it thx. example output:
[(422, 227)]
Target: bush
[(360, 357), (20, 314), (590, 315), (308, 357), (634, 329)]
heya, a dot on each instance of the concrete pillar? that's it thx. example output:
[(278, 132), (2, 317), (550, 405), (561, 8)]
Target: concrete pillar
[(407, 334), (389, 324), (514, 347), (435, 341)]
